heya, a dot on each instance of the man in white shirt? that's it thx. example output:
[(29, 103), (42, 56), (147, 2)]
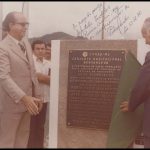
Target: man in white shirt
[(42, 66), (46, 132)]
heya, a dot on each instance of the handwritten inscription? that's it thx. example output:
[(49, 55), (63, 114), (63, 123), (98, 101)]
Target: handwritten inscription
[(116, 20)]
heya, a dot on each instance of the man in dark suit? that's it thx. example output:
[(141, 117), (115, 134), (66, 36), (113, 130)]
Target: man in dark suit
[(141, 90), (19, 90)]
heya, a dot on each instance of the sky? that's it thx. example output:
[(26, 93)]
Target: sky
[(124, 19)]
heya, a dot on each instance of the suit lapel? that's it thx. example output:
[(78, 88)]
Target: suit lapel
[(16, 49)]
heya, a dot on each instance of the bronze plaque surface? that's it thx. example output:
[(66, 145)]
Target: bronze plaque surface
[(93, 77)]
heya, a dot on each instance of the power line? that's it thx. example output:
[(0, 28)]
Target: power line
[(23, 7)]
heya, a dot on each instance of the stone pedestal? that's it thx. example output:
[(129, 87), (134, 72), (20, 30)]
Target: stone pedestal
[(61, 135)]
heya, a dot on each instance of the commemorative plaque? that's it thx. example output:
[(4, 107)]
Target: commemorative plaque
[(93, 77)]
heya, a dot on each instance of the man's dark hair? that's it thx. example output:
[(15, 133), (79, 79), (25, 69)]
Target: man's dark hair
[(146, 25), (37, 42), (48, 44), (10, 18)]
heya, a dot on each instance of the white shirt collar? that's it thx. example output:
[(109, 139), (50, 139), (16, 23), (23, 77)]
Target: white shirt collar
[(38, 60), (15, 40)]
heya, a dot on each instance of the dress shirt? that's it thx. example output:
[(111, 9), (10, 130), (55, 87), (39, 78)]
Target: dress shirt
[(17, 42), (43, 67)]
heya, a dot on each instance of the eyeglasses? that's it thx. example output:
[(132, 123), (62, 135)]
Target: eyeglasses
[(23, 24)]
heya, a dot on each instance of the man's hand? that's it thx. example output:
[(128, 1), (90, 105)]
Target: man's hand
[(124, 106), (39, 104), (42, 78), (31, 104)]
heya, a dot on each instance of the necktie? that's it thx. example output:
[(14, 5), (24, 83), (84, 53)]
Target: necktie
[(22, 47)]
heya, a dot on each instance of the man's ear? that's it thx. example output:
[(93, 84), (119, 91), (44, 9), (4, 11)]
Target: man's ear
[(10, 25), (144, 35)]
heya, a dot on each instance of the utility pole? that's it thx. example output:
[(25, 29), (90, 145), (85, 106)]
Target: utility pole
[(25, 11), (103, 20), (1, 20)]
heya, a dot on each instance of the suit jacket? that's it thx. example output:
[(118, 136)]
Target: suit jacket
[(17, 76), (141, 94)]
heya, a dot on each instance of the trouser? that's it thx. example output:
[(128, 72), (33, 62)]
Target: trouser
[(46, 127), (146, 142), (36, 138), (14, 130)]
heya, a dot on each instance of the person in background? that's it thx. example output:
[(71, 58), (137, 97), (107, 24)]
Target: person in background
[(36, 138), (48, 58), (141, 91), (19, 90), (48, 51)]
